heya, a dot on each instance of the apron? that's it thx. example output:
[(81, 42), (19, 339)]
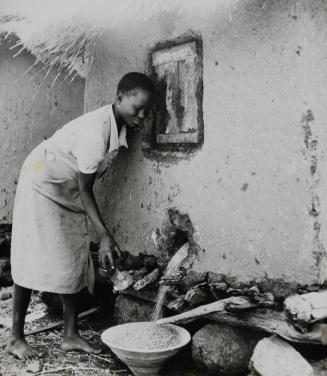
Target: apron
[(50, 243)]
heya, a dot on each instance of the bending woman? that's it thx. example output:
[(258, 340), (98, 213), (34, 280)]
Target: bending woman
[(55, 196)]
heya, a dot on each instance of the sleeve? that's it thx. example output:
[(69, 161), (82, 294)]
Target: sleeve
[(89, 150)]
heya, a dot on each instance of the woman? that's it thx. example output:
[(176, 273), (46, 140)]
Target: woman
[(55, 196)]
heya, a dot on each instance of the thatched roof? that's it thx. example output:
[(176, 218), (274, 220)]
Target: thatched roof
[(61, 46), (61, 33)]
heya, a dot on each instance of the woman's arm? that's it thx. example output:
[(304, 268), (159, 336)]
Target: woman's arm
[(107, 245)]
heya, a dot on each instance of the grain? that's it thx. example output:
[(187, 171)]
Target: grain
[(147, 337)]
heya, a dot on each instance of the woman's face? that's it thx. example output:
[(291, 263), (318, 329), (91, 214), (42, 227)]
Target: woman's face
[(135, 107)]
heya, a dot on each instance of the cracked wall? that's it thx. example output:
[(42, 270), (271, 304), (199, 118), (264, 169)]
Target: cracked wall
[(256, 189), (311, 154)]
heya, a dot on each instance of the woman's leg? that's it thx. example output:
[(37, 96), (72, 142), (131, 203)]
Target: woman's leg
[(72, 340), (17, 344)]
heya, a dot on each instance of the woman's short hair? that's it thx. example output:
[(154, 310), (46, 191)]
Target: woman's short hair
[(135, 80)]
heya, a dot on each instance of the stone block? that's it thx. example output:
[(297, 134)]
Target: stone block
[(273, 356)]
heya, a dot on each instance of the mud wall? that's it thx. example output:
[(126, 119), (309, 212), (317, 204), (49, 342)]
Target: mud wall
[(24, 121), (256, 191)]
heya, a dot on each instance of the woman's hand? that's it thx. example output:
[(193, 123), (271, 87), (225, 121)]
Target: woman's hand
[(108, 247)]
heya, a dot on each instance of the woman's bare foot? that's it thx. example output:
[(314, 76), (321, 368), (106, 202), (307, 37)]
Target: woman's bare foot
[(77, 343), (21, 350)]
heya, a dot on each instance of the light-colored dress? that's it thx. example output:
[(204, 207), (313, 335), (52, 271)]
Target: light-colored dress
[(50, 250)]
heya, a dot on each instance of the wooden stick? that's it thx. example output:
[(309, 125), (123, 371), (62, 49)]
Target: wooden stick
[(307, 308), (61, 322), (101, 358), (203, 310), (68, 368), (149, 278), (265, 320)]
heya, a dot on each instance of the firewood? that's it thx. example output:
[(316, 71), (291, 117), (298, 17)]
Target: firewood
[(203, 310), (307, 308), (199, 294), (191, 279), (149, 278), (177, 305), (174, 293), (218, 290), (256, 319), (265, 299), (272, 322), (220, 286)]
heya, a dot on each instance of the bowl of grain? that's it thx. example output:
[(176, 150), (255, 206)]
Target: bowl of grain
[(145, 346)]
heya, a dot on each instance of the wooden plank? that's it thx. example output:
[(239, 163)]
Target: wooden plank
[(178, 79), (204, 310), (188, 80), (147, 280), (61, 322), (174, 54), (180, 138), (262, 319), (272, 322), (166, 120)]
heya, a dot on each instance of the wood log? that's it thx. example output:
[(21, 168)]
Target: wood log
[(198, 294), (272, 322), (263, 320), (307, 308), (203, 310), (149, 278)]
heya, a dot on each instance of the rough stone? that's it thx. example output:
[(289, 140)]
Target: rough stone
[(272, 356), (130, 309), (215, 277), (237, 283), (279, 287), (223, 349)]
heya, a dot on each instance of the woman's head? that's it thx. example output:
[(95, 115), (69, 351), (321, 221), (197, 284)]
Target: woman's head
[(135, 97)]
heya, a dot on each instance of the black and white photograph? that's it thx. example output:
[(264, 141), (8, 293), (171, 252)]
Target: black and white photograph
[(163, 187)]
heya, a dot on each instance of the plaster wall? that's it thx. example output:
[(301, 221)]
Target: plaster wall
[(25, 121), (256, 190)]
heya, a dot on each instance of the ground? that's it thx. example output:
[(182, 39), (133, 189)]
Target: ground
[(57, 362)]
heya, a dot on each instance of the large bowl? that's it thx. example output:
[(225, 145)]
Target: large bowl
[(143, 362)]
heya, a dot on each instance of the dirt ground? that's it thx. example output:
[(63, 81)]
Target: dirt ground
[(57, 362)]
